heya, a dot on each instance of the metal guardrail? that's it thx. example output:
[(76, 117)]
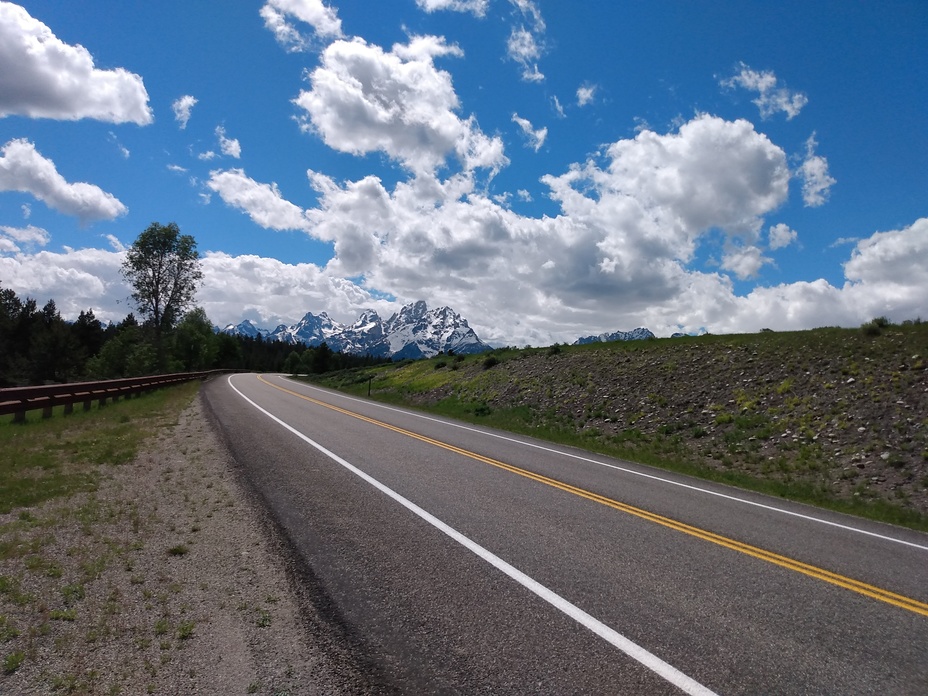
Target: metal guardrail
[(19, 400)]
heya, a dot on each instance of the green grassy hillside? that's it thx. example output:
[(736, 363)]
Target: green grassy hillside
[(835, 417)]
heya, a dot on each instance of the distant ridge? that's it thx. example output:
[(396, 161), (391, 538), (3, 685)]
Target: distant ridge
[(639, 334), (414, 332)]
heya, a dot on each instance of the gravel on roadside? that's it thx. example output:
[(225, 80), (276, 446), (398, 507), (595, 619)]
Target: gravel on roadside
[(167, 579)]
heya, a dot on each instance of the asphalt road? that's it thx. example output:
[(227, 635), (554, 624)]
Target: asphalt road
[(455, 559)]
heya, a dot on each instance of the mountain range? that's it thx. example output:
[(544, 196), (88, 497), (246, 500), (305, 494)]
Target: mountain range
[(414, 332), (639, 334)]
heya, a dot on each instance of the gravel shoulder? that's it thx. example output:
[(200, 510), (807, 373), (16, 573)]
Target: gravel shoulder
[(167, 579)]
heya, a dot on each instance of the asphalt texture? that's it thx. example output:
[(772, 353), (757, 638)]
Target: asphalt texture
[(420, 613)]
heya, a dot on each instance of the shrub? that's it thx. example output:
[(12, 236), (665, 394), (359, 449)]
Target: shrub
[(12, 661), (490, 361)]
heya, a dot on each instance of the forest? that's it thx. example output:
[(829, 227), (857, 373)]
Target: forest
[(169, 335), (38, 346)]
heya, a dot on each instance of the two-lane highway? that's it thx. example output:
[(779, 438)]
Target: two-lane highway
[(458, 559)]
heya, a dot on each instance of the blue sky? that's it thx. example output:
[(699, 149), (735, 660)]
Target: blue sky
[(547, 169)]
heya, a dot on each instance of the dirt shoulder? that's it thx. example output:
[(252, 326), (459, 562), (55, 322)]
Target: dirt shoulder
[(167, 579)]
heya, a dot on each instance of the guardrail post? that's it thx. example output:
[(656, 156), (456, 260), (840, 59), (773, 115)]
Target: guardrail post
[(19, 417), (68, 409), (47, 412)]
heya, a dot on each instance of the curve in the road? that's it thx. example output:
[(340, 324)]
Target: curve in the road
[(682, 681), (642, 474), (822, 574)]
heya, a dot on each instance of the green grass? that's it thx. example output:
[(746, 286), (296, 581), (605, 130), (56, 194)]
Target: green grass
[(12, 590), (264, 618), (43, 459), (185, 630), (12, 662), (62, 614)]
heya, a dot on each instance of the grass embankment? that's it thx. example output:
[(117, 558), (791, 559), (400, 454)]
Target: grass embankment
[(63, 460), (46, 458), (833, 417)]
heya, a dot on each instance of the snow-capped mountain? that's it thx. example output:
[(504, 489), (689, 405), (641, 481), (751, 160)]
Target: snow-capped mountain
[(418, 332), (413, 332), (245, 328), (638, 334), (311, 330)]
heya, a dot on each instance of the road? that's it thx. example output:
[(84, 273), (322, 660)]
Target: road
[(457, 559)]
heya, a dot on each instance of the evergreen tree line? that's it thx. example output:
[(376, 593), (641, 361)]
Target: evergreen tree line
[(38, 346), (163, 268)]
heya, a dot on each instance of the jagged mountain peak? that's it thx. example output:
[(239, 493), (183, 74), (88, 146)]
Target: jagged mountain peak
[(368, 316), (245, 328), (414, 331), (410, 312)]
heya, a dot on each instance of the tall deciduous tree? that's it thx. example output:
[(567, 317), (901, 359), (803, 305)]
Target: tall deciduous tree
[(163, 266)]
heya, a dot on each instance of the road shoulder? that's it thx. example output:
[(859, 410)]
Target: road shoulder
[(167, 579)]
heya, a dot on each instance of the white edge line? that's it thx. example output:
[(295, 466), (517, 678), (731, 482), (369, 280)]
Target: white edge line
[(626, 470), (633, 650)]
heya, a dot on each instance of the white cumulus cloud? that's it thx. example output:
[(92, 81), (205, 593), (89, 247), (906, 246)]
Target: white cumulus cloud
[(585, 94), (526, 44), (43, 77), (23, 168), (31, 236), (780, 236), (263, 203), (771, 98), (364, 99), (534, 138), (228, 146), (885, 275), (744, 261), (182, 107), (271, 292), (478, 8), (816, 181), (523, 47), (896, 262), (321, 17), (627, 230), (76, 279)]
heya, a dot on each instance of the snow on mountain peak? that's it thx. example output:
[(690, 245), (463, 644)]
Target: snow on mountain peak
[(413, 332)]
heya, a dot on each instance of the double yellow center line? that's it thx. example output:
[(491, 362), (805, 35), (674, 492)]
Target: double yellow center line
[(877, 593)]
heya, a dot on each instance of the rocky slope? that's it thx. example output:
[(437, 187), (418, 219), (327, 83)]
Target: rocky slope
[(824, 414)]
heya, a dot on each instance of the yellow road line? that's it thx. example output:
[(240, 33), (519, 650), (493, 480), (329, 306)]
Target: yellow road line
[(783, 561)]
